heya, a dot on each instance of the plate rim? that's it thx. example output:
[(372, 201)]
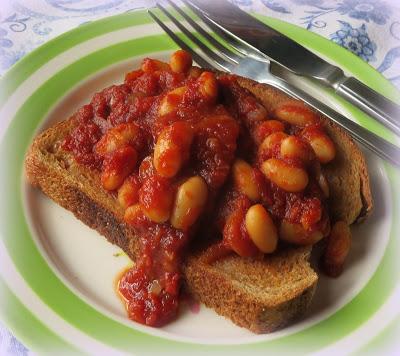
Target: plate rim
[(280, 24)]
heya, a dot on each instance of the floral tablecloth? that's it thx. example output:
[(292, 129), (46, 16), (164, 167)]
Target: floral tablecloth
[(368, 28)]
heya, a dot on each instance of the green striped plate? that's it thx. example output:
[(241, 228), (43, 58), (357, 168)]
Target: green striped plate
[(57, 276)]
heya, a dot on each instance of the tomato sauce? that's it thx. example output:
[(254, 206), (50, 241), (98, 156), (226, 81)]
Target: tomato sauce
[(225, 124)]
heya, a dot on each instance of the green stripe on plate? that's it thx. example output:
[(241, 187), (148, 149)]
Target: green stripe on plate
[(385, 342), (34, 60), (26, 327), (30, 63), (57, 296)]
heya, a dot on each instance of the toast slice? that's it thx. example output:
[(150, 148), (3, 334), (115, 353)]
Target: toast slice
[(259, 295)]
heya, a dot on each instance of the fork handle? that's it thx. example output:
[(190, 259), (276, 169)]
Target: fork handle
[(375, 143), (371, 102)]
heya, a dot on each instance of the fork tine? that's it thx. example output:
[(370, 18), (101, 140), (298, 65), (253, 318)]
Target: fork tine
[(227, 66), (224, 50), (239, 46), (198, 59)]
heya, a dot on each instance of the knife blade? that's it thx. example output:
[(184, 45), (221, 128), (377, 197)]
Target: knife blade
[(296, 58)]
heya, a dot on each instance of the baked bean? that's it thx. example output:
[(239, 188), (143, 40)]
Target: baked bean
[(128, 193), (208, 85), (171, 100), (156, 197), (132, 212), (172, 148), (267, 128), (261, 228), (244, 179), (337, 249), (133, 75), (190, 200), (322, 145), (323, 148), (155, 287), (236, 237), (322, 182), (132, 98), (272, 141), (311, 212), (296, 113), (257, 113), (117, 137), (180, 61), (297, 235), (284, 175), (146, 168), (195, 72), (152, 65), (293, 147), (117, 166), (167, 156)]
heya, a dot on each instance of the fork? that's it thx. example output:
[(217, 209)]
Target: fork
[(240, 60)]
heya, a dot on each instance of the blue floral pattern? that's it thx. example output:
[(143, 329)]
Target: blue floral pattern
[(242, 2), (27, 24), (314, 3), (80, 6), (276, 6), (368, 28), (9, 345), (376, 11), (4, 42), (7, 55), (355, 40)]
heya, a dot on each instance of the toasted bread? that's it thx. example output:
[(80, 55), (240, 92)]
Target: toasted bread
[(260, 295)]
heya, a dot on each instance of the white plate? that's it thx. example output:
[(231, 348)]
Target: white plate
[(76, 297)]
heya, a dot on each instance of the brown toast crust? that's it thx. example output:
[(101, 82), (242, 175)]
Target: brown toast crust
[(76, 188), (259, 295)]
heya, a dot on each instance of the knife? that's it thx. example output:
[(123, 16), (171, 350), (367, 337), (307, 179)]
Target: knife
[(296, 58)]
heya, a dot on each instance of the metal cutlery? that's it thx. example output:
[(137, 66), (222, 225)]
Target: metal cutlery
[(296, 58), (233, 60)]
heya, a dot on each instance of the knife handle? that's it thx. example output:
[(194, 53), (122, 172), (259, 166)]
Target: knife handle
[(371, 102)]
